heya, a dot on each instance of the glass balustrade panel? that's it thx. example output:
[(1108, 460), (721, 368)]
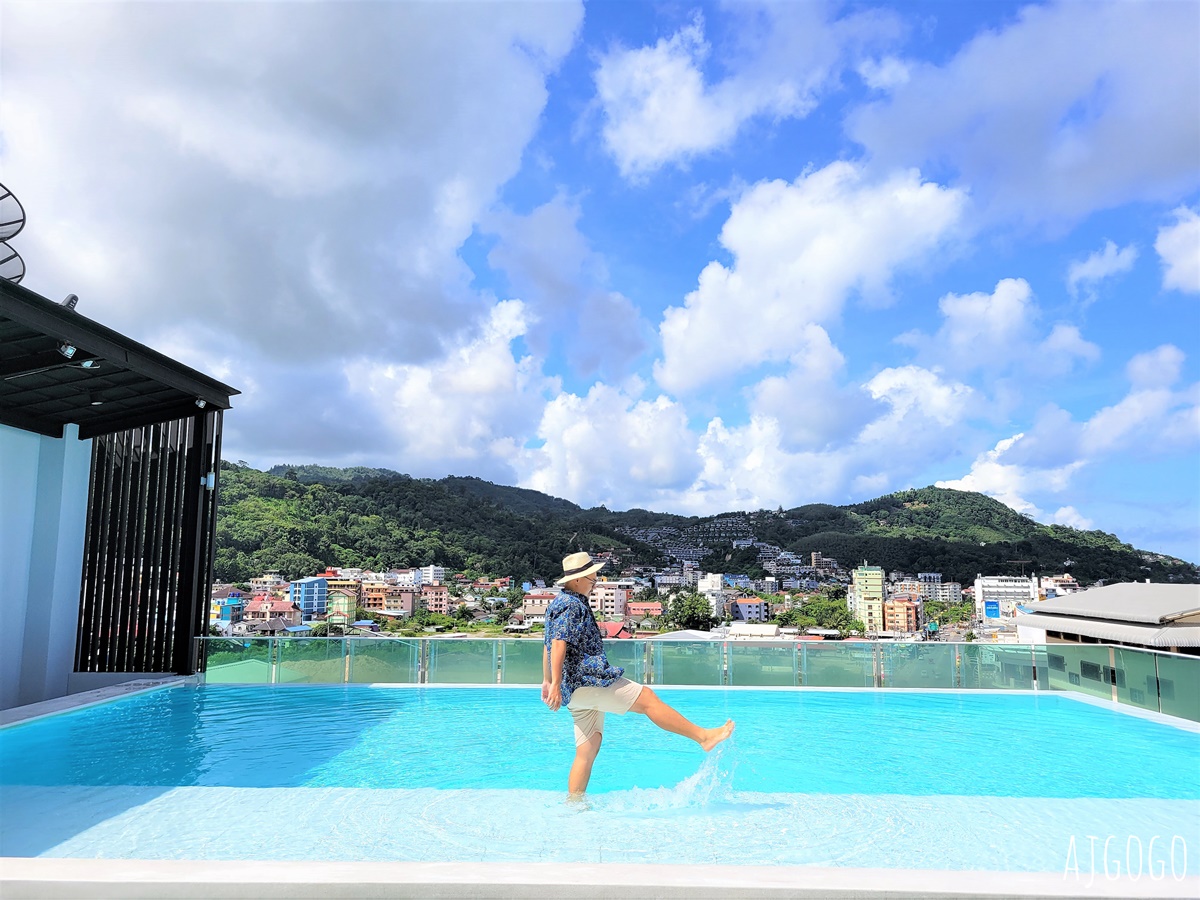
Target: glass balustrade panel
[(629, 655), (521, 661), (996, 667), (924, 664), (1083, 668), (384, 661), (755, 664), (455, 661), (1179, 685), (837, 664), (689, 662), (237, 660), (311, 660), (1137, 678)]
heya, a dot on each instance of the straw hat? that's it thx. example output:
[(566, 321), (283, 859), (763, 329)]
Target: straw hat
[(578, 565)]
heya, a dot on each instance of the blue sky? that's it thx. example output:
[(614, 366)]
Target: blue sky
[(688, 257)]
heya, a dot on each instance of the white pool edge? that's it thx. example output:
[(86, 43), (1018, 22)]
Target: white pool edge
[(84, 879)]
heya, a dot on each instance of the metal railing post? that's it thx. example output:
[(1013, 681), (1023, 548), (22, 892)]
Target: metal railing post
[(648, 660), (1112, 673), (347, 652), (958, 667), (273, 656)]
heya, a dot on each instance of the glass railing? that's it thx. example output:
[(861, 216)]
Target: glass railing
[(1146, 679)]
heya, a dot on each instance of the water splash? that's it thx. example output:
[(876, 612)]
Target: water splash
[(709, 786)]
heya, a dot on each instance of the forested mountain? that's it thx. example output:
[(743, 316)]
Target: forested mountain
[(299, 519)]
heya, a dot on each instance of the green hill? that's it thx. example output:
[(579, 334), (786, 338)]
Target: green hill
[(299, 519)]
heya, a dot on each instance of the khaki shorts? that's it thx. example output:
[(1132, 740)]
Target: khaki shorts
[(589, 704)]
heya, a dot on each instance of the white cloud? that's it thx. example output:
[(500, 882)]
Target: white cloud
[(1071, 108), (1010, 483), (610, 446), (660, 105), (473, 406), (1071, 517), (799, 250), (1152, 419), (883, 74), (1178, 247), (997, 333), (1100, 265), (290, 181), (1160, 367), (810, 403)]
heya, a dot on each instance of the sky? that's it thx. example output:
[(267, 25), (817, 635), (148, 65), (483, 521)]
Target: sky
[(687, 257)]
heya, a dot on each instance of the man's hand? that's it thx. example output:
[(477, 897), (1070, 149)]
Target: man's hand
[(545, 690), (552, 696)]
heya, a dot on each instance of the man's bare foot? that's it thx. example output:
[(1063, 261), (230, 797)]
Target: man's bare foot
[(714, 736)]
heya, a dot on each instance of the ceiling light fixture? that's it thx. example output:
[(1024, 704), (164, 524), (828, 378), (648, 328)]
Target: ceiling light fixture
[(67, 349), (95, 400), (201, 402)]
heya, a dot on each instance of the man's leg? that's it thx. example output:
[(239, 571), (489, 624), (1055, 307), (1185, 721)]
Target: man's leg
[(668, 719), (581, 769)]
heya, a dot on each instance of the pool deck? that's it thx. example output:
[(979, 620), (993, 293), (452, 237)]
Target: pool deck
[(90, 879)]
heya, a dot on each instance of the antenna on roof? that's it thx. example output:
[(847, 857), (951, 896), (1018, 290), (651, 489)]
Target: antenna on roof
[(12, 220)]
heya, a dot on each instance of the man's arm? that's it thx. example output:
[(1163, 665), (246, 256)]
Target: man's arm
[(552, 680)]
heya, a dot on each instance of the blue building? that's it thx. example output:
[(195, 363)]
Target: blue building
[(310, 594)]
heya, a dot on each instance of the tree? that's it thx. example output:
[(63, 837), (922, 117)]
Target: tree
[(462, 613), (690, 610)]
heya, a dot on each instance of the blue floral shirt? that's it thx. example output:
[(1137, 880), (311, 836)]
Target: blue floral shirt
[(569, 619)]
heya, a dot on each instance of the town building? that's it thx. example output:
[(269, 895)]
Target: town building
[(867, 591), (266, 583), (948, 592), (436, 598), (642, 610), (901, 614), (533, 607), (264, 607), (743, 610), (997, 597), (1051, 586), (433, 574), (608, 598), (1149, 616), (310, 595)]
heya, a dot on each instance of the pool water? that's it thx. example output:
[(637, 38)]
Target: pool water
[(868, 779)]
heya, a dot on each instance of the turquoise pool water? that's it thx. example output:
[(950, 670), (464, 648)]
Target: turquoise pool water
[(917, 780)]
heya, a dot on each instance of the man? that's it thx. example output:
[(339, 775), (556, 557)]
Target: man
[(576, 672)]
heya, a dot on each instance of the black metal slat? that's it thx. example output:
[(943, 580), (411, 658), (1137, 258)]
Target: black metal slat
[(134, 599), (189, 550), (149, 627), (170, 597), (91, 561), (119, 586)]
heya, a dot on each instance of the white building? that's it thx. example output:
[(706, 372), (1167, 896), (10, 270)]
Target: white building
[(997, 596), (608, 598), (949, 592), (408, 577), (1051, 586), (433, 574), (714, 581), (266, 583)]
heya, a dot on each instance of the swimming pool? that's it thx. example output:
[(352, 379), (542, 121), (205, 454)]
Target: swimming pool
[(1012, 782)]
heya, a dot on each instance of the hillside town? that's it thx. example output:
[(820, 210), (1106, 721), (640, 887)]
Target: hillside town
[(635, 600)]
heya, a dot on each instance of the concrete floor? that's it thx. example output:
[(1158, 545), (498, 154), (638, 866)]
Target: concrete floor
[(89, 879)]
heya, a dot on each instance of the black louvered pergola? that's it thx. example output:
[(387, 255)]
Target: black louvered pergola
[(155, 426)]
